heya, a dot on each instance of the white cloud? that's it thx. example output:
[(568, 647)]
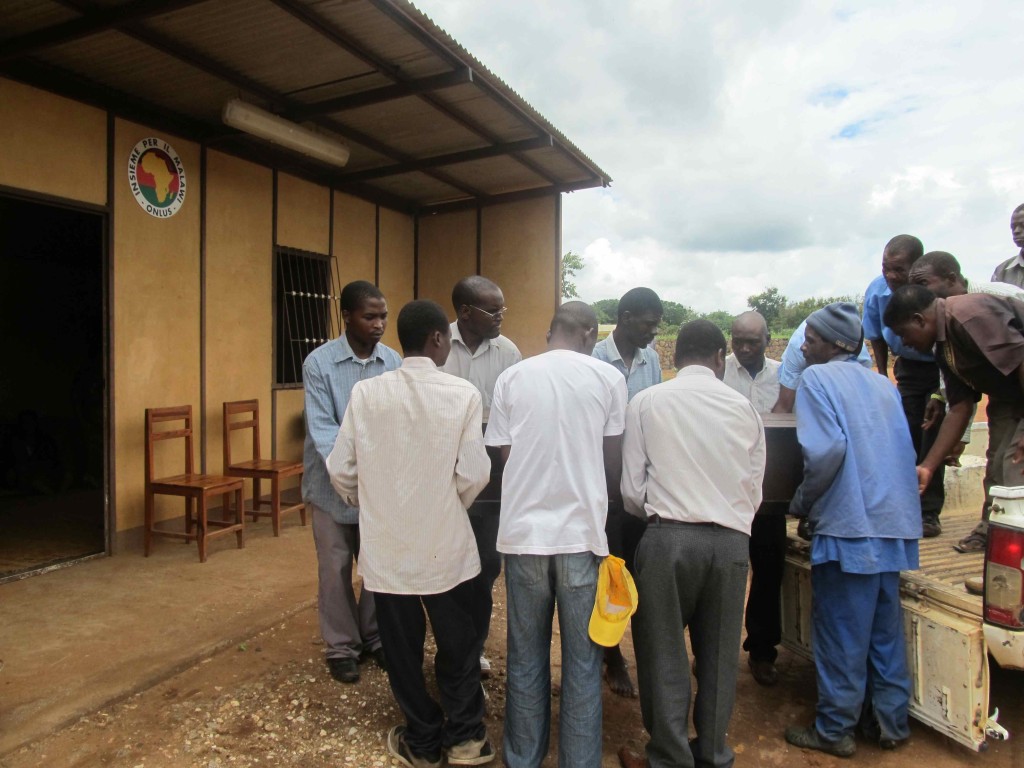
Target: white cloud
[(755, 144)]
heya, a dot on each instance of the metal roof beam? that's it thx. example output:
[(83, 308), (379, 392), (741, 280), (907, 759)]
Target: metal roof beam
[(507, 197), (92, 23), (339, 37), (279, 101), (454, 158), (387, 93)]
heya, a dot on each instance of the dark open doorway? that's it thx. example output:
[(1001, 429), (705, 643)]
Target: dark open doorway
[(52, 468)]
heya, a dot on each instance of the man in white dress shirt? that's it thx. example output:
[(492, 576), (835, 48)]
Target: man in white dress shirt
[(479, 355), (410, 455), (693, 460), (557, 418), (756, 377)]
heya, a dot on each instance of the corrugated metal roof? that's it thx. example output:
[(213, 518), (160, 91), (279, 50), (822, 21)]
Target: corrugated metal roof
[(426, 122)]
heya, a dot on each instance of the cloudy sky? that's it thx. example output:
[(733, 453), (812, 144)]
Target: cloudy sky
[(768, 142)]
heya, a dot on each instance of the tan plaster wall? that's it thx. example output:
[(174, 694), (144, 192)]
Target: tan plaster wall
[(52, 145), (239, 307), (155, 323), (447, 253), (303, 214), (397, 259), (518, 247), (291, 429), (355, 238)]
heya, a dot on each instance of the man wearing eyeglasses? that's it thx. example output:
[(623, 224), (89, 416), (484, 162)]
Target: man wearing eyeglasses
[(479, 355)]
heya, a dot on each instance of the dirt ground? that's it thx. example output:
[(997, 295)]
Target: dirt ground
[(270, 702)]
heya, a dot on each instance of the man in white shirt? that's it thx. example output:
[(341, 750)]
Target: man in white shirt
[(693, 460), (756, 377), (479, 355), (410, 455), (557, 419)]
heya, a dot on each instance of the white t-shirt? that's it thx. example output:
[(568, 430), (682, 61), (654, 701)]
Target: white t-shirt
[(555, 410)]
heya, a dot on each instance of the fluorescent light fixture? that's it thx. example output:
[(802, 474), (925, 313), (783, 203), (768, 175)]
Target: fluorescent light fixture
[(245, 117)]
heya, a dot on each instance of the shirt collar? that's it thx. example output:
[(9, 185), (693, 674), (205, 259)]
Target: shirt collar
[(343, 351), (613, 352), (696, 370), (419, 362), (484, 345)]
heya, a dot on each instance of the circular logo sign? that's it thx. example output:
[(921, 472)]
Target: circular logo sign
[(156, 177)]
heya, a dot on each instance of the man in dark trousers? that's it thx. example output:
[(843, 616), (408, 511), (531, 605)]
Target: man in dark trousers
[(410, 454)]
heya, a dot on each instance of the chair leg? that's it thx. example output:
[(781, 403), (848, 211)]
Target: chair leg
[(240, 518), (302, 513), (148, 533), (275, 504), (255, 498), (189, 509), (201, 525)]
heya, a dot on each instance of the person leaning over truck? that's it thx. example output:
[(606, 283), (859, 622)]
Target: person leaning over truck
[(864, 514), (939, 272), (979, 342)]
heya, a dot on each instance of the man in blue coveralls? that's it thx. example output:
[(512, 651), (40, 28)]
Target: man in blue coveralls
[(859, 493)]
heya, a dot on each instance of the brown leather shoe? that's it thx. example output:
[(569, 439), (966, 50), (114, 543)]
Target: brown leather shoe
[(630, 759)]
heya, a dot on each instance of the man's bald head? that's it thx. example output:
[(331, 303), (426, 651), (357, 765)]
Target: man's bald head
[(750, 340), (574, 327)]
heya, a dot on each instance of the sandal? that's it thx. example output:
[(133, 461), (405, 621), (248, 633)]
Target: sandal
[(973, 542)]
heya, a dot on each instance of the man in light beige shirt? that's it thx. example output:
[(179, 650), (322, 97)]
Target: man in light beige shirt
[(692, 463), (479, 355), (410, 455)]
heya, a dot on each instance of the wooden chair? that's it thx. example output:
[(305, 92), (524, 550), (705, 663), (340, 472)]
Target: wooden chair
[(259, 469), (193, 487)]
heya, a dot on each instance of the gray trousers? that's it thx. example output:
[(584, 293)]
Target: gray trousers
[(347, 627), (689, 576), (1003, 432)]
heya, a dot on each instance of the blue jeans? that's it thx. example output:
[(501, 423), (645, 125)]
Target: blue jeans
[(535, 584), (857, 634)]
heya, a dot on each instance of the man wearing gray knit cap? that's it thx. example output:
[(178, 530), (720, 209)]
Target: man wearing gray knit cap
[(859, 495)]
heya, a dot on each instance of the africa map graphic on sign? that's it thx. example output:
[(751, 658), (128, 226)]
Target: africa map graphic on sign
[(157, 177)]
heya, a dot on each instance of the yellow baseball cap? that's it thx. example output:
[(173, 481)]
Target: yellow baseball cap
[(616, 601)]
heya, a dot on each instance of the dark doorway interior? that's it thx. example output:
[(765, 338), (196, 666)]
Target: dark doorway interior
[(51, 386)]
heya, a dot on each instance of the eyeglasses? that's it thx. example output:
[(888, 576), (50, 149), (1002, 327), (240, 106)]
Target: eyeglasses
[(500, 313)]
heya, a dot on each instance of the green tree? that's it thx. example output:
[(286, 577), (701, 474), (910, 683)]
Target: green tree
[(675, 315), (607, 311), (769, 303), (722, 319), (572, 263), (796, 312)]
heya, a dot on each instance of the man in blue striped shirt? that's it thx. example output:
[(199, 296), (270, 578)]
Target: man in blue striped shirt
[(349, 629)]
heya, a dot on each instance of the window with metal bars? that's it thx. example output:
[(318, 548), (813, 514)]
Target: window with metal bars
[(305, 310)]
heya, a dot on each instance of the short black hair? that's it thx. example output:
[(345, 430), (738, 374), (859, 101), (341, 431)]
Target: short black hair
[(1018, 209), (905, 244), (636, 301), (574, 316), (355, 293), (906, 302), (940, 262), (416, 321), (468, 290), (698, 340)]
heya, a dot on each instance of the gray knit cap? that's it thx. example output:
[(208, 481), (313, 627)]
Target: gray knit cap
[(839, 324)]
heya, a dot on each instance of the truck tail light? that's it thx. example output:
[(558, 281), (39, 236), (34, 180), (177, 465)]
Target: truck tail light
[(1004, 577)]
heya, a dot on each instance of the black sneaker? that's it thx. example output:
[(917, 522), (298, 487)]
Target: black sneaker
[(377, 654), (344, 670), (931, 526), (399, 750), (809, 738)]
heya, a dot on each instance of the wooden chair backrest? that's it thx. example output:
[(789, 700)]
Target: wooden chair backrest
[(250, 408), (160, 415)]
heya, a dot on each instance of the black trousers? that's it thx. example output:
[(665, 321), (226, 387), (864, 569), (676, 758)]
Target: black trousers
[(483, 516), (457, 621), (624, 532), (916, 380), (763, 619)]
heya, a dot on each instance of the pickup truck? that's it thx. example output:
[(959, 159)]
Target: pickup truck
[(950, 634)]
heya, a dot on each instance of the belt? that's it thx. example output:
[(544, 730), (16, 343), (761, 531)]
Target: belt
[(657, 520)]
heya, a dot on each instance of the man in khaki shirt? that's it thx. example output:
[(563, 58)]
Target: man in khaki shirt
[(410, 454)]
